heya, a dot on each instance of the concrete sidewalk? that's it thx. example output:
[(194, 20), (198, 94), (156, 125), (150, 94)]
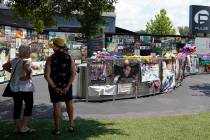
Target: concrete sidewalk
[(192, 97)]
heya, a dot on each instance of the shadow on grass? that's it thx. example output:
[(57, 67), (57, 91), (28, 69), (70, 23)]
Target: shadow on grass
[(42, 121), (85, 129), (6, 107), (40, 111), (204, 89)]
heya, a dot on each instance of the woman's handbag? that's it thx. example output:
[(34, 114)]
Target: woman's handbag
[(7, 91)]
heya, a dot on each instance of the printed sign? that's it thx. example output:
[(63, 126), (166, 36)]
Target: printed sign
[(199, 19), (202, 45), (125, 88)]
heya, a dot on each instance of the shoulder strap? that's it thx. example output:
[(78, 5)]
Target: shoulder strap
[(14, 69)]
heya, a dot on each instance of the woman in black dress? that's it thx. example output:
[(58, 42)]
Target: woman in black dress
[(60, 73)]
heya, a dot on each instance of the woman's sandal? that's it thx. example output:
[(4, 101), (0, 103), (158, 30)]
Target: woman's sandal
[(70, 129), (56, 132), (29, 131)]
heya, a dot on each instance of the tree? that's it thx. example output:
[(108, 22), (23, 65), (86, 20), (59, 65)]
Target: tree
[(141, 32), (161, 25), (41, 13), (184, 30)]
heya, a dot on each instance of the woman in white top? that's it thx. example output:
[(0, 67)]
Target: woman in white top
[(22, 87)]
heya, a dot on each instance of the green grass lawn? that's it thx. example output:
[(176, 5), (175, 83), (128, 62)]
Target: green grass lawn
[(192, 127)]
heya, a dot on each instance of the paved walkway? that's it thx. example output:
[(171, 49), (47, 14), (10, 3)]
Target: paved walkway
[(192, 97)]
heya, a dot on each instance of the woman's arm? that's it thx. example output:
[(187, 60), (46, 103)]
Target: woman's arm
[(71, 78), (47, 72), (7, 66)]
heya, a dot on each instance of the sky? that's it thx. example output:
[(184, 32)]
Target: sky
[(134, 14)]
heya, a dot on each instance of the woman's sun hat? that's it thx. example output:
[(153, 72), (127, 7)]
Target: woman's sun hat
[(58, 44)]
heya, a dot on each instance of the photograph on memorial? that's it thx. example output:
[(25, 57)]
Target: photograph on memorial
[(4, 57), (2, 31), (168, 74), (194, 64), (126, 71), (150, 72), (98, 72), (101, 71)]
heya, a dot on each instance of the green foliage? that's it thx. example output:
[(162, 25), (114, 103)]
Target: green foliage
[(42, 13), (39, 12), (161, 25), (188, 127), (184, 30), (91, 17), (141, 32)]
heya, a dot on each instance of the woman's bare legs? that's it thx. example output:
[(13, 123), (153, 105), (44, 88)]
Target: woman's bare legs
[(70, 111), (57, 115)]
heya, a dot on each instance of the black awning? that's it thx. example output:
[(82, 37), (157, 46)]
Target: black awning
[(8, 18), (123, 31)]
